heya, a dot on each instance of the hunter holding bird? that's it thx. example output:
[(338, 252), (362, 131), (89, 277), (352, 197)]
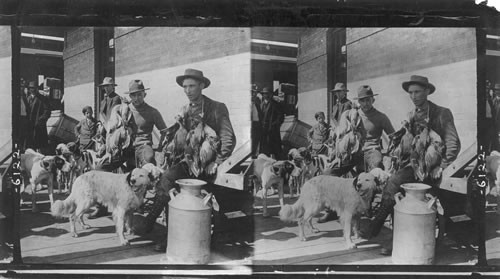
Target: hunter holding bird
[(435, 145)]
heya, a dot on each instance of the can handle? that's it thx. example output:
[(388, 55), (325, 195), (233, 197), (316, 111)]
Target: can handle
[(208, 197), (172, 193), (398, 197)]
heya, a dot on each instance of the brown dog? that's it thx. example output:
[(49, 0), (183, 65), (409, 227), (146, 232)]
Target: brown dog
[(349, 197), (268, 172), (121, 193), (37, 169)]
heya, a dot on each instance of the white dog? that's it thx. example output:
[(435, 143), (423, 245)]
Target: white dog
[(121, 193), (349, 197)]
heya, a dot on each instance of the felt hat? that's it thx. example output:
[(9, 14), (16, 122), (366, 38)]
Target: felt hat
[(107, 81), (365, 91), (266, 90), (135, 86), (339, 86), (195, 74), (420, 80)]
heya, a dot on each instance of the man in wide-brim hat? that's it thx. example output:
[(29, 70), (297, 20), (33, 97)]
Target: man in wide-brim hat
[(373, 123), (144, 119), (110, 99), (341, 103), (213, 114), (272, 117), (436, 118), (38, 112)]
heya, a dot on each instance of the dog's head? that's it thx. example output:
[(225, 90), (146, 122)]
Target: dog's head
[(139, 179), (282, 168), (365, 185), (51, 163), (61, 149), (154, 172)]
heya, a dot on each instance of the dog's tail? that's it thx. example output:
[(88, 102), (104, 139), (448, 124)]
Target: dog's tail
[(63, 208), (292, 212)]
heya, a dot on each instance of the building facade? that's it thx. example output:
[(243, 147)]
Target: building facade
[(157, 55), (384, 58)]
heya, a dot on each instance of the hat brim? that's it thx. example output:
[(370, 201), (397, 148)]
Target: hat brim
[(103, 84), (180, 79), (135, 91), (359, 98), (431, 87)]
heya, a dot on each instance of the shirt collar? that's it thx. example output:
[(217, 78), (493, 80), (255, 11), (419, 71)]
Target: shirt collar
[(423, 108)]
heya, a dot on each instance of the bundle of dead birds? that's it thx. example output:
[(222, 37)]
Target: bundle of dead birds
[(195, 143), (420, 146), (119, 133), (348, 138)]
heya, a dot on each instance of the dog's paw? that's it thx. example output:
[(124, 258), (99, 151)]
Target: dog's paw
[(75, 235), (124, 242), (315, 230), (86, 227), (303, 239)]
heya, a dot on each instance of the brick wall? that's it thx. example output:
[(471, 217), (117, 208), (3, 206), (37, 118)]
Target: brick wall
[(312, 74), (223, 54), (446, 56), (150, 48), (78, 56), (6, 80)]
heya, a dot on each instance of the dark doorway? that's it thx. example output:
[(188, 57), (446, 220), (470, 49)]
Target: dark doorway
[(104, 60)]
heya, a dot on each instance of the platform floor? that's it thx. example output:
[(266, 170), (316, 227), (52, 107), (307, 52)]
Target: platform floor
[(268, 241)]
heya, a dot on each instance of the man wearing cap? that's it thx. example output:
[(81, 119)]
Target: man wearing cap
[(437, 118), (272, 118), (110, 99), (214, 114), (38, 114), (342, 103)]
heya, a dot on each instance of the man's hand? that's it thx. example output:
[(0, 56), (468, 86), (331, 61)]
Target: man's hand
[(212, 168), (436, 173)]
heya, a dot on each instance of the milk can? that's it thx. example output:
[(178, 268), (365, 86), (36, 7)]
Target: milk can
[(414, 226), (189, 223)]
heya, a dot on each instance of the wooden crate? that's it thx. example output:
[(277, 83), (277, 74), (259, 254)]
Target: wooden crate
[(233, 173), (294, 132), (61, 126)]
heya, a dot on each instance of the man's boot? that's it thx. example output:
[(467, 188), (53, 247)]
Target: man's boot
[(330, 215), (377, 223), (160, 203), (162, 245)]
